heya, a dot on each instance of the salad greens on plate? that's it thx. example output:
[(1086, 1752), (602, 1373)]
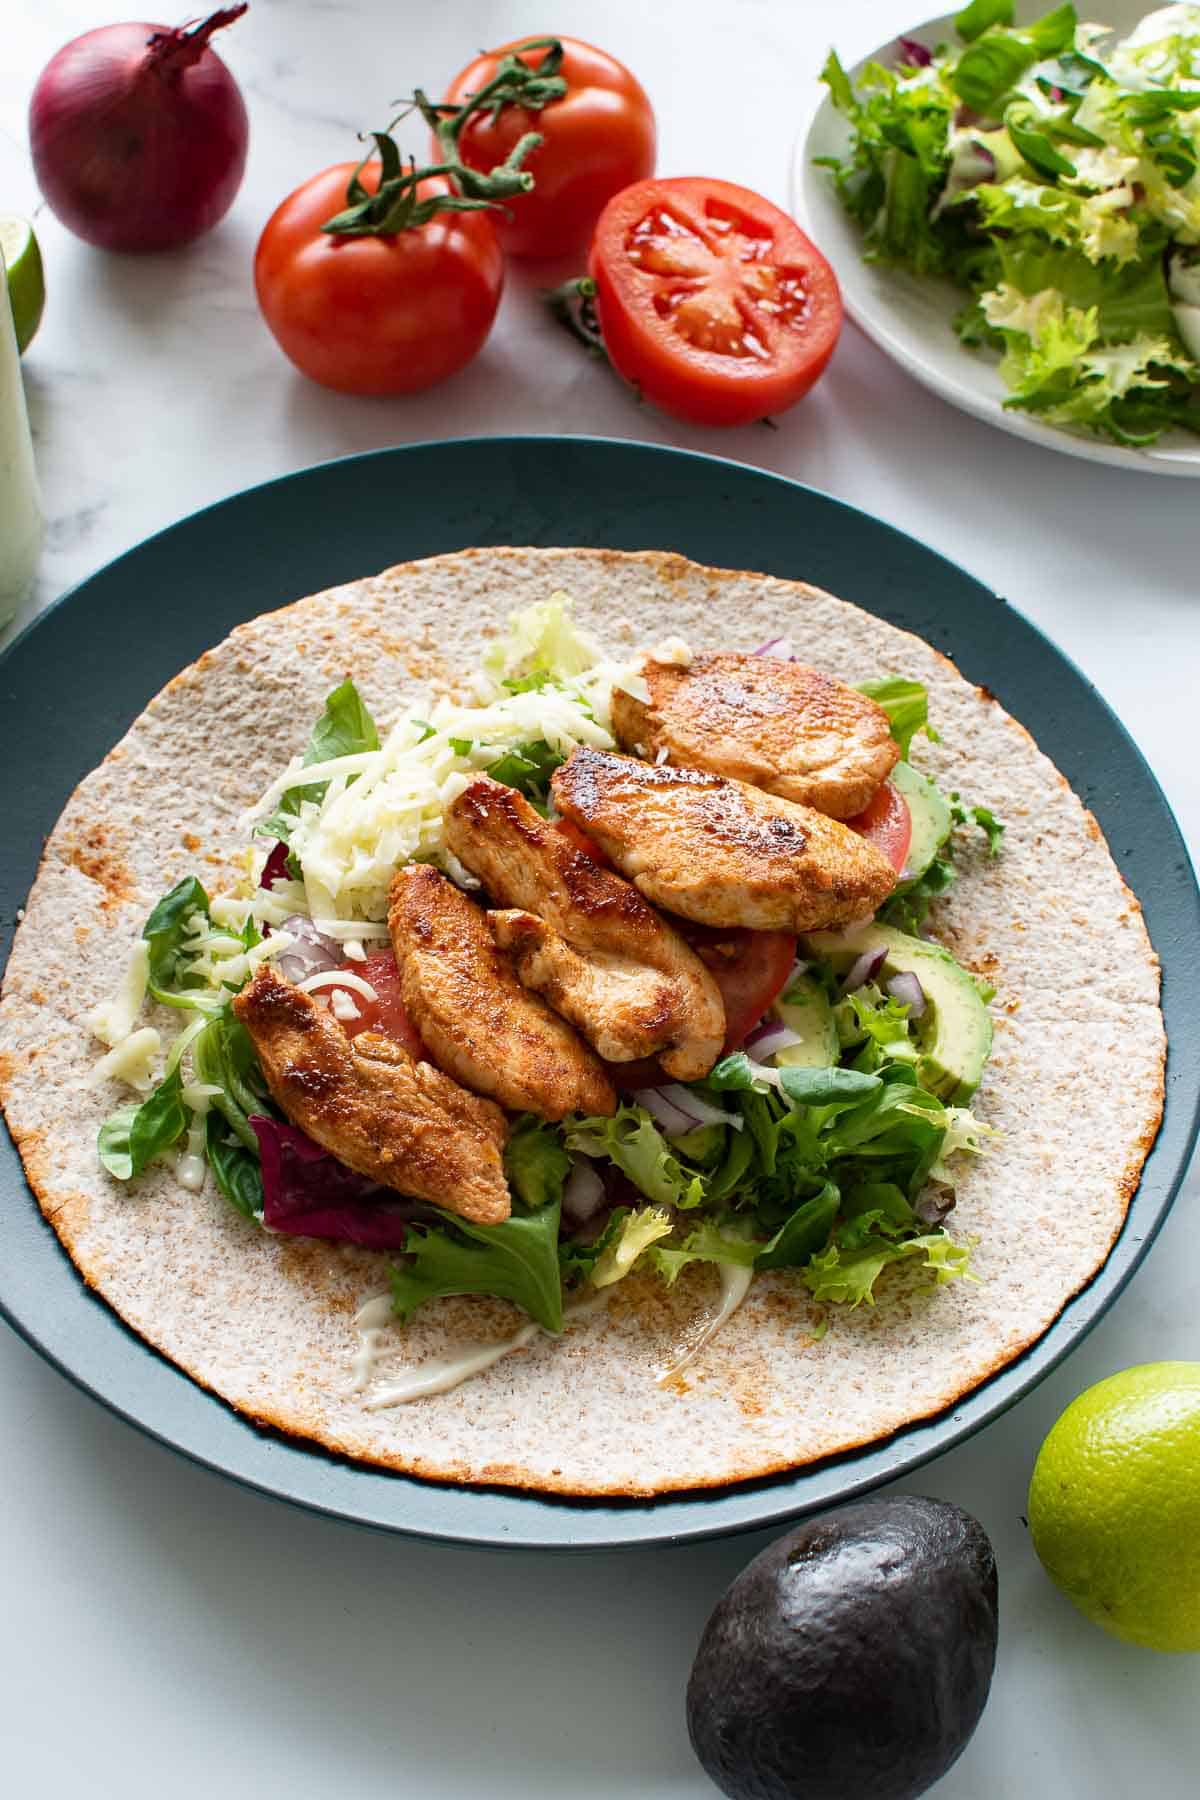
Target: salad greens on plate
[(1052, 172)]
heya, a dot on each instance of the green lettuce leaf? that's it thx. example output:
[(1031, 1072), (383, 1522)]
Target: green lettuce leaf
[(535, 1163), (996, 59), (169, 980), (907, 911), (977, 18), (633, 1141), (983, 816), (224, 1056), (625, 1239), (133, 1135), (848, 1276), (907, 706), (236, 1170), (712, 1241), (345, 728), (515, 1261), (803, 1233), (527, 767)]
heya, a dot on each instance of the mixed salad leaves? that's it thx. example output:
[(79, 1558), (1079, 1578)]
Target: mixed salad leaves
[(826, 1150), (1054, 174)]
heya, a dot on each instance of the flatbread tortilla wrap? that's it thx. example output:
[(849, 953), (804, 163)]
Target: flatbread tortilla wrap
[(267, 1321)]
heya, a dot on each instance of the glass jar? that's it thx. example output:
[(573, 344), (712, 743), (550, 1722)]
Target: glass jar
[(20, 511)]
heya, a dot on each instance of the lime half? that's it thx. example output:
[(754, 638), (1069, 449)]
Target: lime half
[(26, 285)]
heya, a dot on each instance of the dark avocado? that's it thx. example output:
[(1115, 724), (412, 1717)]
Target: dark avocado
[(852, 1659)]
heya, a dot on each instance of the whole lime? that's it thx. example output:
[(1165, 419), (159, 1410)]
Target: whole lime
[(1114, 1504)]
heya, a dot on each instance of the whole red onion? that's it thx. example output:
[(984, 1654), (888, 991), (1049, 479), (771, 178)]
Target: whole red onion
[(139, 134)]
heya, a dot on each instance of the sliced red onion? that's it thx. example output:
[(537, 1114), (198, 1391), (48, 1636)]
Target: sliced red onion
[(906, 988), (863, 969), (311, 954), (914, 54), (779, 646), (584, 1192), (770, 1037), (703, 1111), (674, 1121)]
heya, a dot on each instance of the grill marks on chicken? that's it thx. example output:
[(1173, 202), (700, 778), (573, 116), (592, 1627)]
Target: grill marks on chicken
[(583, 937), (778, 725), (719, 851), (399, 1122), (481, 1025)]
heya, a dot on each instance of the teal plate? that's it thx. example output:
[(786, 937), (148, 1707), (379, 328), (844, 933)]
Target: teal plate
[(95, 659)]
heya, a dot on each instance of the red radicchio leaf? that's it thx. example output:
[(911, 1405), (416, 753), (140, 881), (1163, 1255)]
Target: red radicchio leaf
[(309, 1193)]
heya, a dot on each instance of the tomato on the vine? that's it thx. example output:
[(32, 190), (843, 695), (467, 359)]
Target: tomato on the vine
[(380, 313), (598, 137), (711, 300), (887, 823)]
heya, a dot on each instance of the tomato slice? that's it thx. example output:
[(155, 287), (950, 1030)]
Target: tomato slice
[(711, 300), (887, 823), (750, 968), (385, 1014)]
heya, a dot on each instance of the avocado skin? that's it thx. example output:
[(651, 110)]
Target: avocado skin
[(852, 1659)]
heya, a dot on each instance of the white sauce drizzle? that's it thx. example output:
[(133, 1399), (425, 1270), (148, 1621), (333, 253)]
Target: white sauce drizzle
[(370, 1320), (440, 1374), (735, 1285)]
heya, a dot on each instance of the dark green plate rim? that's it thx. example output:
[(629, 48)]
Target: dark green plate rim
[(72, 682)]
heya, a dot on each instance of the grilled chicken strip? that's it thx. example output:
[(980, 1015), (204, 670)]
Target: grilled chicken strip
[(585, 939), (482, 1026), (718, 851), (399, 1122), (778, 725)]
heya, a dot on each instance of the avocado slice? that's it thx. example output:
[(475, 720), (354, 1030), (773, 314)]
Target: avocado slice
[(955, 1034), (931, 822), (853, 1657), (806, 1009)]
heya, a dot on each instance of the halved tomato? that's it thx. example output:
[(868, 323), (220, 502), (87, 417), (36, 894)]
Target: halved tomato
[(386, 1013), (886, 823), (711, 300)]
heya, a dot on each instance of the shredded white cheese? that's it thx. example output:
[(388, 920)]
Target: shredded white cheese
[(113, 1019), (339, 978), (132, 1060)]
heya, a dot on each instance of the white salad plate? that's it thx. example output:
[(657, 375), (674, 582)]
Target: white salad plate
[(910, 317)]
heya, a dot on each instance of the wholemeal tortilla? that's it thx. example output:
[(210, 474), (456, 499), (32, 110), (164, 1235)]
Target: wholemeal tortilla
[(267, 1322)]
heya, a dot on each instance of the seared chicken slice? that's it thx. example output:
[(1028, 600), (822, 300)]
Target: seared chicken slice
[(778, 725), (400, 1122), (620, 1004), (483, 1028), (592, 946), (718, 851)]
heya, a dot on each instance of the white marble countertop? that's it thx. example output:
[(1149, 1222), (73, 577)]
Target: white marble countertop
[(164, 1629)]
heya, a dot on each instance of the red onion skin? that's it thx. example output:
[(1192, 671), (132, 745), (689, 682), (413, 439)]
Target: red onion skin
[(139, 134)]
